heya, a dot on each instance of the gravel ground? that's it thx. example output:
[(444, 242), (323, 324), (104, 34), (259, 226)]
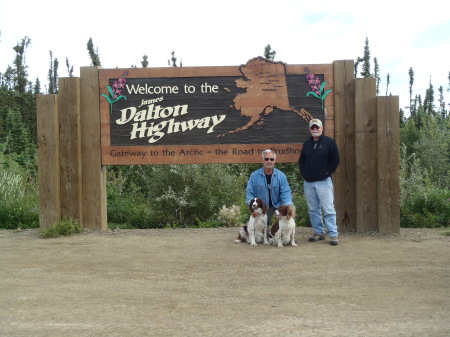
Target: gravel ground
[(198, 282)]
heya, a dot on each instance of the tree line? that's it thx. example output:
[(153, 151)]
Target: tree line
[(136, 193)]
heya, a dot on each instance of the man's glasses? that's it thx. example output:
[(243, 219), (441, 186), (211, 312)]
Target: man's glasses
[(314, 127), (267, 159)]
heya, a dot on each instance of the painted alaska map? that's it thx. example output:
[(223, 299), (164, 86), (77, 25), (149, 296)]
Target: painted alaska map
[(266, 90)]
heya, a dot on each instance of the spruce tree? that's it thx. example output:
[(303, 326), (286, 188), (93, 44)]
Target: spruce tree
[(93, 54), (366, 61), (7, 78), (377, 75), (20, 74), (37, 87), (356, 65), (144, 61), (448, 88), (412, 111), (69, 68), (418, 106), (428, 103), (173, 61), (269, 53), (441, 111), (388, 81), (17, 136), (53, 75)]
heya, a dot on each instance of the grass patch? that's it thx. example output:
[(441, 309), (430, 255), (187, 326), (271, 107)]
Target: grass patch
[(446, 232), (65, 227), (120, 226)]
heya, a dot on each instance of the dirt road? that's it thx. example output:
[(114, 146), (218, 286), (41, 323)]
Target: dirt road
[(198, 282)]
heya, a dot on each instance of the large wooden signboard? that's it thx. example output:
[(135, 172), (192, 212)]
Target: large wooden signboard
[(211, 114)]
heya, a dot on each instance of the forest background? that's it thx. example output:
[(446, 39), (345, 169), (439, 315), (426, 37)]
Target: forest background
[(136, 194)]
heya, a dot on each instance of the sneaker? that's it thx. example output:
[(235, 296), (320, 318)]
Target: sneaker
[(316, 237), (334, 241)]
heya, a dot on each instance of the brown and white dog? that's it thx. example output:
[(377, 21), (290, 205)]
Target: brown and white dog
[(256, 229), (282, 231)]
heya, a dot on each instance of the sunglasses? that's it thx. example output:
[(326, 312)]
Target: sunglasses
[(315, 127), (267, 159)]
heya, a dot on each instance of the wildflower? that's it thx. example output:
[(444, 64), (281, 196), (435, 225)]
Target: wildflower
[(230, 216)]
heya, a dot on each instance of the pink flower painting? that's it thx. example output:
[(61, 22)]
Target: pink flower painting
[(115, 92), (316, 86)]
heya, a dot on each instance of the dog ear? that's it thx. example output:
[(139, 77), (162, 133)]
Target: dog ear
[(275, 227), (264, 207), (288, 212)]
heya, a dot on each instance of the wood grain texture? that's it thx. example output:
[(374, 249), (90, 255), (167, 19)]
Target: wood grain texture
[(366, 155), (48, 160), (70, 148), (94, 175), (344, 179), (388, 159)]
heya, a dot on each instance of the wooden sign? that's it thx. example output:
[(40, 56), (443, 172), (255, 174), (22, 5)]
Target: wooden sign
[(186, 115)]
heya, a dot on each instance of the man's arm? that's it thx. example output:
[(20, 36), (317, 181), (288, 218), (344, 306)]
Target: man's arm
[(250, 192), (285, 191), (292, 210), (334, 157)]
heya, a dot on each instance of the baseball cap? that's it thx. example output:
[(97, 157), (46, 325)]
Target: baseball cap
[(315, 122)]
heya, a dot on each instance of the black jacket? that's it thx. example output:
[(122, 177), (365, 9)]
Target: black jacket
[(320, 163)]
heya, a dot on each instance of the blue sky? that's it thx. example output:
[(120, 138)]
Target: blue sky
[(223, 33)]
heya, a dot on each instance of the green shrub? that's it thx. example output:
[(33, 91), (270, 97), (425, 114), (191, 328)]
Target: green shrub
[(126, 207), (186, 195), (209, 224), (19, 197), (428, 208), (430, 143), (301, 208), (63, 228), (422, 202)]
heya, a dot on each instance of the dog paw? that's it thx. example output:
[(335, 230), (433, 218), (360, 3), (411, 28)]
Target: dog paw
[(294, 244), (254, 244), (280, 245), (267, 243), (237, 241)]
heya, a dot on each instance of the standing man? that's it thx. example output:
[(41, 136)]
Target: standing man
[(318, 160), (270, 185)]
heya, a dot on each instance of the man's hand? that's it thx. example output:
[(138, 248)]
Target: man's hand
[(292, 209)]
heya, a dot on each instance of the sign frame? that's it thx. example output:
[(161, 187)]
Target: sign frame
[(257, 92)]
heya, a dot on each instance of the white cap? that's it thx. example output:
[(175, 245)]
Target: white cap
[(315, 122)]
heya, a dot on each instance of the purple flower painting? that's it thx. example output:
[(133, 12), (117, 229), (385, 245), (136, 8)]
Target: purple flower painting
[(316, 87), (115, 93)]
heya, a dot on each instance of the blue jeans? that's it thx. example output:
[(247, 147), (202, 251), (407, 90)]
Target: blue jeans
[(320, 196), (270, 211)]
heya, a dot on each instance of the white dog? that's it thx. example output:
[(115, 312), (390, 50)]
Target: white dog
[(256, 229), (283, 230)]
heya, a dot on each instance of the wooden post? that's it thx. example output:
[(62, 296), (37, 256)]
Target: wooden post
[(70, 148), (94, 175), (344, 179), (366, 155), (388, 154), (48, 160)]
